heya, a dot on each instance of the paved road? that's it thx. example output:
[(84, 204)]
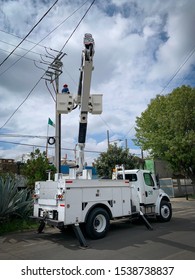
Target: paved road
[(125, 241)]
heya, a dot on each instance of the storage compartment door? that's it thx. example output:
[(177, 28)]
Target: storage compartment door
[(73, 206), (117, 202), (126, 201)]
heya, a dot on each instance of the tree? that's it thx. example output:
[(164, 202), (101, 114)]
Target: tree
[(106, 162), (167, 129), (36, 168)]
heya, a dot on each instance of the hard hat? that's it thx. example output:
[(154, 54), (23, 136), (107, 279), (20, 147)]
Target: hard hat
[(65, 85)]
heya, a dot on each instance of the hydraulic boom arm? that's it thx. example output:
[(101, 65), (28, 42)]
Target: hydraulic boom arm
[(84, 94), (86, 102)]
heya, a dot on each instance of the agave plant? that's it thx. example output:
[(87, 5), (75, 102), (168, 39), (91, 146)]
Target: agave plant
[(12, 201)]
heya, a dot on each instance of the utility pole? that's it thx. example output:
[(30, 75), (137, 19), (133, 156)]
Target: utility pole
[(52, 74), (108, 138), (142, 154), (126, 144), (58, 65), (57, 131)]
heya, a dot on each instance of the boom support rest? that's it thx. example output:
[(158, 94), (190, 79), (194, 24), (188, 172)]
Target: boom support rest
[(79, 235), (147, 224)]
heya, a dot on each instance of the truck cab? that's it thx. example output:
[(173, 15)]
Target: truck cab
[(153, 200)]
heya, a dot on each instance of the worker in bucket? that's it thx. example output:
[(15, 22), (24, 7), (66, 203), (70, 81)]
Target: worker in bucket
[(65, 89)]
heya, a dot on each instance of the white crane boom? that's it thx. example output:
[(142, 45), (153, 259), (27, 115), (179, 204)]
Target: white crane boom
[(84, 94), (87, 103)]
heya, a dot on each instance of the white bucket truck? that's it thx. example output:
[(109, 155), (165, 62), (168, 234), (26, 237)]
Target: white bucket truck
[(80, 200)]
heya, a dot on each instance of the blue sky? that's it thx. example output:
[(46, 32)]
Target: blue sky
[(142, 48)]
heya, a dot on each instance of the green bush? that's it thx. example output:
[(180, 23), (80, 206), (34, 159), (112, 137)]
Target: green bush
[(13, 202)]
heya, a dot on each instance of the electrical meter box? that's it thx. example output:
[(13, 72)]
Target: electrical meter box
[(64, 103), (95, 104)]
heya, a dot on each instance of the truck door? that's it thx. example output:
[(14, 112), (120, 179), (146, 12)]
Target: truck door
[(151, 190)]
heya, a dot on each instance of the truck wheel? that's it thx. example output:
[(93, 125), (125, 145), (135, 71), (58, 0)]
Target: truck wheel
[(165, 212), (98, 223)]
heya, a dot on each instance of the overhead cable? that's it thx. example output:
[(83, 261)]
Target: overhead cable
[(180, 67), (38, 44), (28, 33), (77, 25), (26, 40), (35, 145), (21, 48), (19, 56), (50, 91), (44, 73), (21, 103), (21, 135)]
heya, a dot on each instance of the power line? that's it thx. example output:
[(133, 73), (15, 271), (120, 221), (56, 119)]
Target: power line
[(19, 56), (38, 44), (28, 33), (22, 135), (44, 73), (21, 103), (78, 25), (180, 67), (7, 135), (20, 47), (106, 124), (66, 19), (41, 146), (50, 91), (26, 40), (128, 131)]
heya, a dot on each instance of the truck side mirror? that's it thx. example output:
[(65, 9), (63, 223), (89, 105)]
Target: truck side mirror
[(157, 180)]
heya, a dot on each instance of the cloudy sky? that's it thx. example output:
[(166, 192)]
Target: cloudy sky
[(142, 48)]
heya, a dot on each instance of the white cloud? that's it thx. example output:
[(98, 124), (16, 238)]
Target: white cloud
[(138, 47)]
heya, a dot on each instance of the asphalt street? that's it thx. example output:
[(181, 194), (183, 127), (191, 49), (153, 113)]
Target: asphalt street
[(125, 241)]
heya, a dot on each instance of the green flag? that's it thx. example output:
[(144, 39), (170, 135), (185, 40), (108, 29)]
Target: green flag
[(51, 123)]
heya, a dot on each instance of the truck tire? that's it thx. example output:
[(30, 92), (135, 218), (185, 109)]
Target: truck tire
[(165, 212), (98, 223)]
